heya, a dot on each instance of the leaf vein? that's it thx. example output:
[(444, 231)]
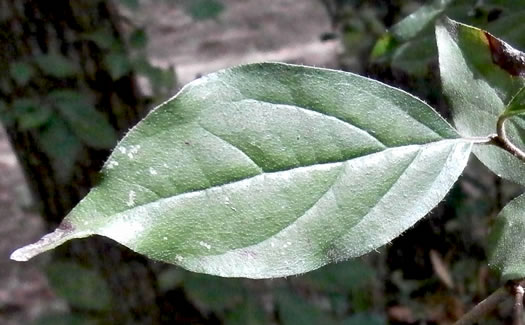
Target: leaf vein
[(261, 170), (324, 114)]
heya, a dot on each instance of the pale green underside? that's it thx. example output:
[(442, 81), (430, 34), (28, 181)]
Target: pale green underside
[(506, 241), (478, 91), (270, 170)]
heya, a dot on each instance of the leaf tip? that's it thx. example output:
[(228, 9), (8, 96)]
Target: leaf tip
[(62, 234), (22, 254)]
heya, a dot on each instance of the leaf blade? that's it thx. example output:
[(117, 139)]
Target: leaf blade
[(517, 104), (478, 83), (415, 23), (219, 176), (84, 119), (506, 241)]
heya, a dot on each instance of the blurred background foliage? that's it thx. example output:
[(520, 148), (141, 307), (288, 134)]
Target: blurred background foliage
[(77, 76)]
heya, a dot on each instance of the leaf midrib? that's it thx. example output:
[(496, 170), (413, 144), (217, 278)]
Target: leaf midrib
[(362, 219), (329, 188), (308, 110), (273, 172)]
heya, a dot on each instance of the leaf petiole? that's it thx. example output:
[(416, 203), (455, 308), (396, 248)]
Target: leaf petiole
[(501, 140)]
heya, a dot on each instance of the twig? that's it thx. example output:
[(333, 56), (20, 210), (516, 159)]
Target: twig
[(503, 142), (484, 307), (517, 309)]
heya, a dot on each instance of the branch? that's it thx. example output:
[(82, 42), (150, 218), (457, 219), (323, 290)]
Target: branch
[(503, 142), (517, 309), (484, 307)]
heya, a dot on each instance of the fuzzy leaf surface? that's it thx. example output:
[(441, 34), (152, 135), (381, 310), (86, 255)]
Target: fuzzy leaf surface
[(270, 170), (506, 241), (517, 104), (422, 18), (480, 76)]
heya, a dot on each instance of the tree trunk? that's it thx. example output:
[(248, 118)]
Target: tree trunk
[(59, 166)]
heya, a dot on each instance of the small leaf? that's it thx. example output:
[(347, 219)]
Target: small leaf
[(30, 113), (517, 104), (384, 46), (102, 37), (21, 72), (480, 74), (57, 65), (268, 170), (507, 255), (81, 287), (341, 277), (409, 45), (204, 9), (294, 310), (117, 64), (415, 23), (414, 57), (35, 119), (85, 121), (248, 313), (214, 293), (62, 147)]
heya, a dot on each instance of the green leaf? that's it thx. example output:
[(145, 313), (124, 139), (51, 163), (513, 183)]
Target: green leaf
[(57, 65), (480, 74), (84, 120), (117, 64), (204, 9), (103, 38), (414, 57), (21, 72), (214, 293), (62, 147), (341, 277), (409, 45), (248, 313), (415, 23), (384, 46), (295, 310), (81, 287), (268, 170), (30, 113), (517, 104), (507, 255)]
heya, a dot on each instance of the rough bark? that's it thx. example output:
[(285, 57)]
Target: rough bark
[(32, 27)]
